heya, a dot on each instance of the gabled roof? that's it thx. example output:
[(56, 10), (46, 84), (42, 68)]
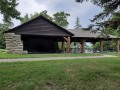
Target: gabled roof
[(88, 34), (40, 26)]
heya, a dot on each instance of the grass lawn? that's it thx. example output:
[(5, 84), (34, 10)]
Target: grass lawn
[(83, 74), (3, 54)]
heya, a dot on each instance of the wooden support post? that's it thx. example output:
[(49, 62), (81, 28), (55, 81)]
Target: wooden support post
[(101, 46), (62, 47), (94, 46), (83, 46), (117, 45), (68, 45)]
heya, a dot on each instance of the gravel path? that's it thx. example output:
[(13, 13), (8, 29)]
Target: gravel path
[(54, 58)]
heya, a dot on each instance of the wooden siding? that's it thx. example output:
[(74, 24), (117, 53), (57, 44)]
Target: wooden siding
[(40, 26)]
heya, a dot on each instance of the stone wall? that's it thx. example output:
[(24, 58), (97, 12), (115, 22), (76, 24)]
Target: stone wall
[(14, 43)]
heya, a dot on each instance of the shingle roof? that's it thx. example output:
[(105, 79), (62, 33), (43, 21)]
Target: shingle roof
[(89, 34)]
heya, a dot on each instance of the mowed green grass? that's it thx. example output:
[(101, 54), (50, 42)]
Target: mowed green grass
[(7, 55), (83, 74)]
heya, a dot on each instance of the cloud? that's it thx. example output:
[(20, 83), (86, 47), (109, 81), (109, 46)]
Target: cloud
[(84, 11)]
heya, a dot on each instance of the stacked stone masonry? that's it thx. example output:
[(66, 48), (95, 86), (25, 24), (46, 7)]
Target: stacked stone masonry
[(14, 43)]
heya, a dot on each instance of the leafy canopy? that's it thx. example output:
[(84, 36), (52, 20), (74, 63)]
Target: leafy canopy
[(8, 10), (77, 23), (3, 27), (110, 10), (32, 16), (59, 18)]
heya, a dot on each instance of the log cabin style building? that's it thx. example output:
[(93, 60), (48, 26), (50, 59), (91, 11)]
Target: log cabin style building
[(41, 35)]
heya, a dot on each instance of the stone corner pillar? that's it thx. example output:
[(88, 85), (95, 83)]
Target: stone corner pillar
[(14, 43)]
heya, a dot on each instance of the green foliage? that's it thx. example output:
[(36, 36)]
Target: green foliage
[(25, 18), (8, 10), (77, 26), (110, 10), (60, 18), (111, 26), (109, 7), (3, 27), (44, 13), (108, 46), (32, 16)]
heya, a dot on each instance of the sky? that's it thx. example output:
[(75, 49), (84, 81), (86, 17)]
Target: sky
[(85, 11)]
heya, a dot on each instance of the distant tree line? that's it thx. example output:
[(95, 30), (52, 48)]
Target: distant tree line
[(59, 18)]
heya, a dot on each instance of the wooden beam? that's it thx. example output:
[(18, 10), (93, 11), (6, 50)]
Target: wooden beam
[(101, 46), (68, 45), (83, 46), (117, 45), (65, 39)]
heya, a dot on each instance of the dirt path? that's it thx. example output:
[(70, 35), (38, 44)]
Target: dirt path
[(54, 58)]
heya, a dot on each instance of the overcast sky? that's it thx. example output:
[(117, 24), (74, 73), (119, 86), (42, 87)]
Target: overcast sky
[(84, 11)]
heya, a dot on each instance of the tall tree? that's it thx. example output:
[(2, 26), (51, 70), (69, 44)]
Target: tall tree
[(113, 24), (60, 18), (8, 10), (110, 7), (77, 26)]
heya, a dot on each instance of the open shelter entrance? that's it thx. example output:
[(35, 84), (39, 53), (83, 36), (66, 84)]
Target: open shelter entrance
[(41, 44)]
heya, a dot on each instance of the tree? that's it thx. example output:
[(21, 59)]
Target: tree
[(32, 16), (3, 27), (8, 10), (110, 8), (44, 13), (25, 18), (113, 24), (77, 26), (60, 18)]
